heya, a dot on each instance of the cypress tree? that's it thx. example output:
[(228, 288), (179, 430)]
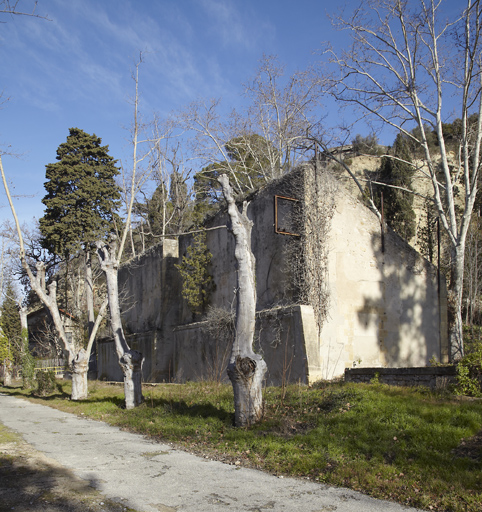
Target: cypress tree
[(82, 196), (9, 316), (10, 326)]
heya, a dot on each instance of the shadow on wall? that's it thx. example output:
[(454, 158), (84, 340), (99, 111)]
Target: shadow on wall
[(404, 312)]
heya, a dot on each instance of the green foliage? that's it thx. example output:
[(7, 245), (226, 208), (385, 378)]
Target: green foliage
[(249, 159), (27, 362), (46, 382), (5, 349), (10, 327), (469, 373), (365, 145), (82, 196), (397, 171), (415, 146), (452, 132), (197, 283)]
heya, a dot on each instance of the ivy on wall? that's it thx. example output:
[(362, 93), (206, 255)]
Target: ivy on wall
[(307, 255)]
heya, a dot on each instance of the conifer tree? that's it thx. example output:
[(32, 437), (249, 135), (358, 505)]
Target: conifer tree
[(10, 318), (11, 347), (81, 203), (82, 196)]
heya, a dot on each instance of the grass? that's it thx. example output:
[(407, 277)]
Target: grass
[(6, 436), (408, 445)]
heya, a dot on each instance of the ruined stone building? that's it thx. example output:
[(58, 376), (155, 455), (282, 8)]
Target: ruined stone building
[(334, 290)]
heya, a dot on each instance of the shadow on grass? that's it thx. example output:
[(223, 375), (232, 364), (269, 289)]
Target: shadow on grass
[(15, 391), (180, 407)]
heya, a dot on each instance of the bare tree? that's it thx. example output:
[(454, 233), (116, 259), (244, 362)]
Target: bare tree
[(406, 68), (211, 135), (12, 7), (282, 110), (262, 142), (109, 255), (37, 282), (167, 210), (246, 369)]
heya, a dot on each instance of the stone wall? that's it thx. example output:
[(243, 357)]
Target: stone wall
[(435, 377)]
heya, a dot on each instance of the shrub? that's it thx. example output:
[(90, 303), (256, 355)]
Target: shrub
[(365, 145), (469, 373), (46, 383)]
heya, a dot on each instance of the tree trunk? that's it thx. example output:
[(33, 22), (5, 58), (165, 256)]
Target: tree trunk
[(89, 291), (130, 361), (455, 304), (131, 364), (246, 369), (37, 283), (23, 316), (80, 366), (7, 373)]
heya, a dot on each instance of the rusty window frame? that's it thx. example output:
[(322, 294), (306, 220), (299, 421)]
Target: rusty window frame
[(276, 230)]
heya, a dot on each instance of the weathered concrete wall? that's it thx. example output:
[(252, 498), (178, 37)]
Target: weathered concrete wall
[(272, 275), (150, 290), (154, 347), (383, 301), (384, 297), (278, 337), (147, 284)]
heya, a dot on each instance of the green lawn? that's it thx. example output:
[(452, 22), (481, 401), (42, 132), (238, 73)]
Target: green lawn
[(409, 445)]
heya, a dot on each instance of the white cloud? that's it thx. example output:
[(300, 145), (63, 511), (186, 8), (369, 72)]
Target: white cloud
[(233, 26)]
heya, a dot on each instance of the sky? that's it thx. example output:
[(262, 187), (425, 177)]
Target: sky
[(75, 69)]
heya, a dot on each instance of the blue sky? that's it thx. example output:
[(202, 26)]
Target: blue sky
[(75, 70)]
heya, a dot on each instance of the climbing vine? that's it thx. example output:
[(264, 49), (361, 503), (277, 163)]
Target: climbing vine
[(308, 255)]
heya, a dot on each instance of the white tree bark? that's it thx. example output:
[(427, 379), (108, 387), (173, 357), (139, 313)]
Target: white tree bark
[(89, 290), (80, 363), (80, 366), (130, 361), (7, 373), (22, 310), (246, 369)]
